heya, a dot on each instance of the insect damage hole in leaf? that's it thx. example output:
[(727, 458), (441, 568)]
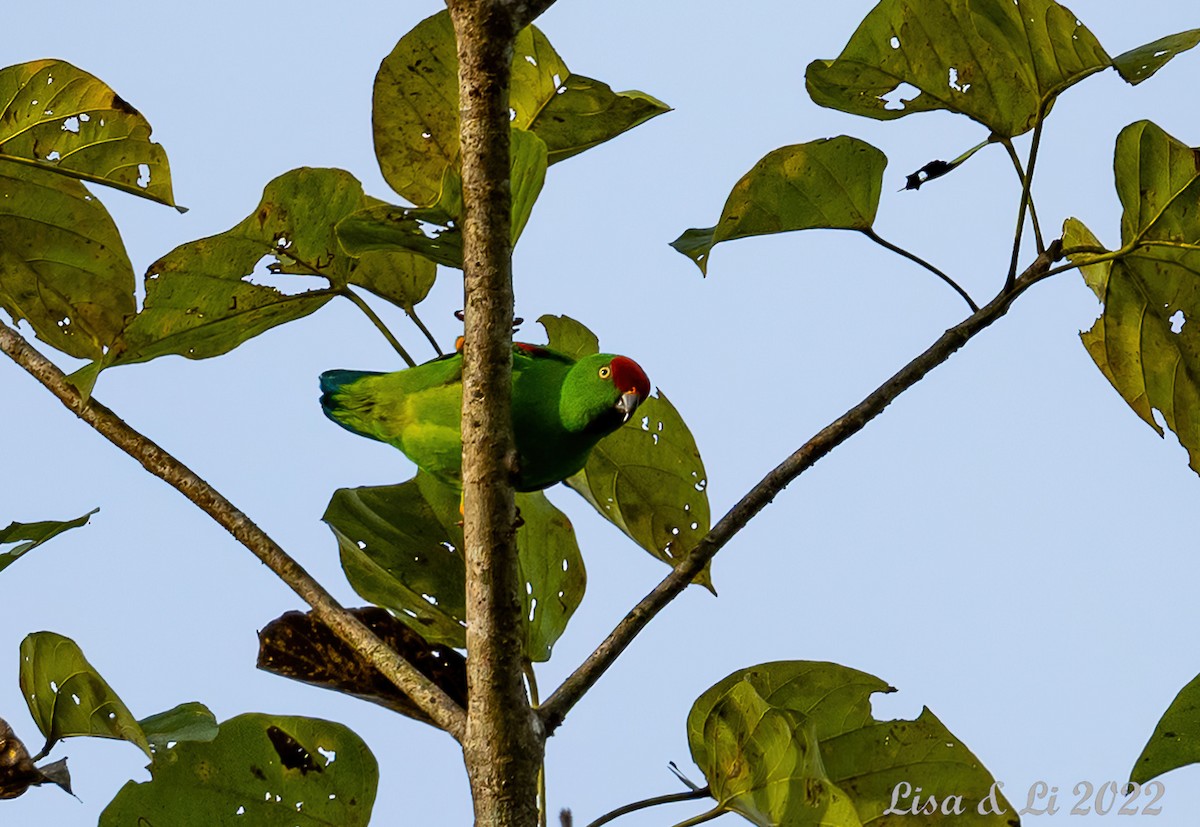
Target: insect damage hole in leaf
[(266, 274), (1177, 321), (900, 97)]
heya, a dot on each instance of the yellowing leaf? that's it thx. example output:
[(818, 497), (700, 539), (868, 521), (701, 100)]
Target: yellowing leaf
[(1175, 742), (794, 743), (833, 183), (63, 264), (1146, 341), (265, 770), (60, 118)]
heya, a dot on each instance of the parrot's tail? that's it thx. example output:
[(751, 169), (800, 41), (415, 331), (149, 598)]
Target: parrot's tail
[(334, 396)]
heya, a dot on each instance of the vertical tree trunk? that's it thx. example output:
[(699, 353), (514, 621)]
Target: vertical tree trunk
[(503, 745)]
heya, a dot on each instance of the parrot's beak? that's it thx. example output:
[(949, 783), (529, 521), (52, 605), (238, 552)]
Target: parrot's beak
[(628, 403)]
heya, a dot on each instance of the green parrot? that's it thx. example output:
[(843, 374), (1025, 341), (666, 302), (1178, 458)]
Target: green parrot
[(560, 407)]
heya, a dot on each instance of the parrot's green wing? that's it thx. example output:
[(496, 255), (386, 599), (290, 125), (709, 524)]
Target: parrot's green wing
[(416, 410)]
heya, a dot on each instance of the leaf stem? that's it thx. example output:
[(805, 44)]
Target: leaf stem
[(441, 709), (703, 817), (1033, 217), (362, 305), (556, 707), (887, 245), (1026, 201), (690, 795), (412, 314)]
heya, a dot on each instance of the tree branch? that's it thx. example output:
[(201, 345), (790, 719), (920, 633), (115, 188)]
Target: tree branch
[(556, 707), (504, 742), (426, 694)]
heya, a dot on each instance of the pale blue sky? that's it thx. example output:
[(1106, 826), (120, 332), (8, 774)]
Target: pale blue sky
[(1007, 544)]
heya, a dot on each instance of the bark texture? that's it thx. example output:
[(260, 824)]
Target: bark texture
[(504, 744)]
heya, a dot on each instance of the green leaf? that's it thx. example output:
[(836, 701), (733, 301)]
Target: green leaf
[(67, 697), (386, 228), (1139, 64), (29, 536), (202, 299), (415, 110), (766, 765), (191, 721), (265, 770), (646, 478), (63, 266), (1176, 739), (552, 568), (569, 337), (298, 646), (401, 548), (995, 61), (60, 118), (833, 183), (570, 112), (433, 233), (400, 277), (794, 742), (1146, 341)]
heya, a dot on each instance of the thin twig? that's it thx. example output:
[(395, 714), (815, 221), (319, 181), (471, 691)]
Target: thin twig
[(690, 795), (362, 305), (1026, 201), (412, 314), (556, 707), (887, 245), (424, 692), (1033, 216), (703, 817)]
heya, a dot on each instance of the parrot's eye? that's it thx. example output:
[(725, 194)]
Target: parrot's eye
[(605, 372)]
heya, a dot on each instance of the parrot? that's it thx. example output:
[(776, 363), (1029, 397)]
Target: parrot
[(561, 407)]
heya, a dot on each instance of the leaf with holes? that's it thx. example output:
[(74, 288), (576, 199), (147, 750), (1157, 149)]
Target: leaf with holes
[(1175, 742), (1141, 63), (191, 721), (995, 61), (833, 183), (433, 233), (414, 111), (205, 298), (265, 770), (646, 478), (298, 646), (28, 536), (571, 113), (67, 697), (63, 265), (1144, 341), (401, 549), (415, 107), (61, 118), (794, 742)]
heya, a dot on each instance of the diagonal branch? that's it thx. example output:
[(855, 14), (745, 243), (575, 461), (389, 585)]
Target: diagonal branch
[(426, 694), (556, 707)]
